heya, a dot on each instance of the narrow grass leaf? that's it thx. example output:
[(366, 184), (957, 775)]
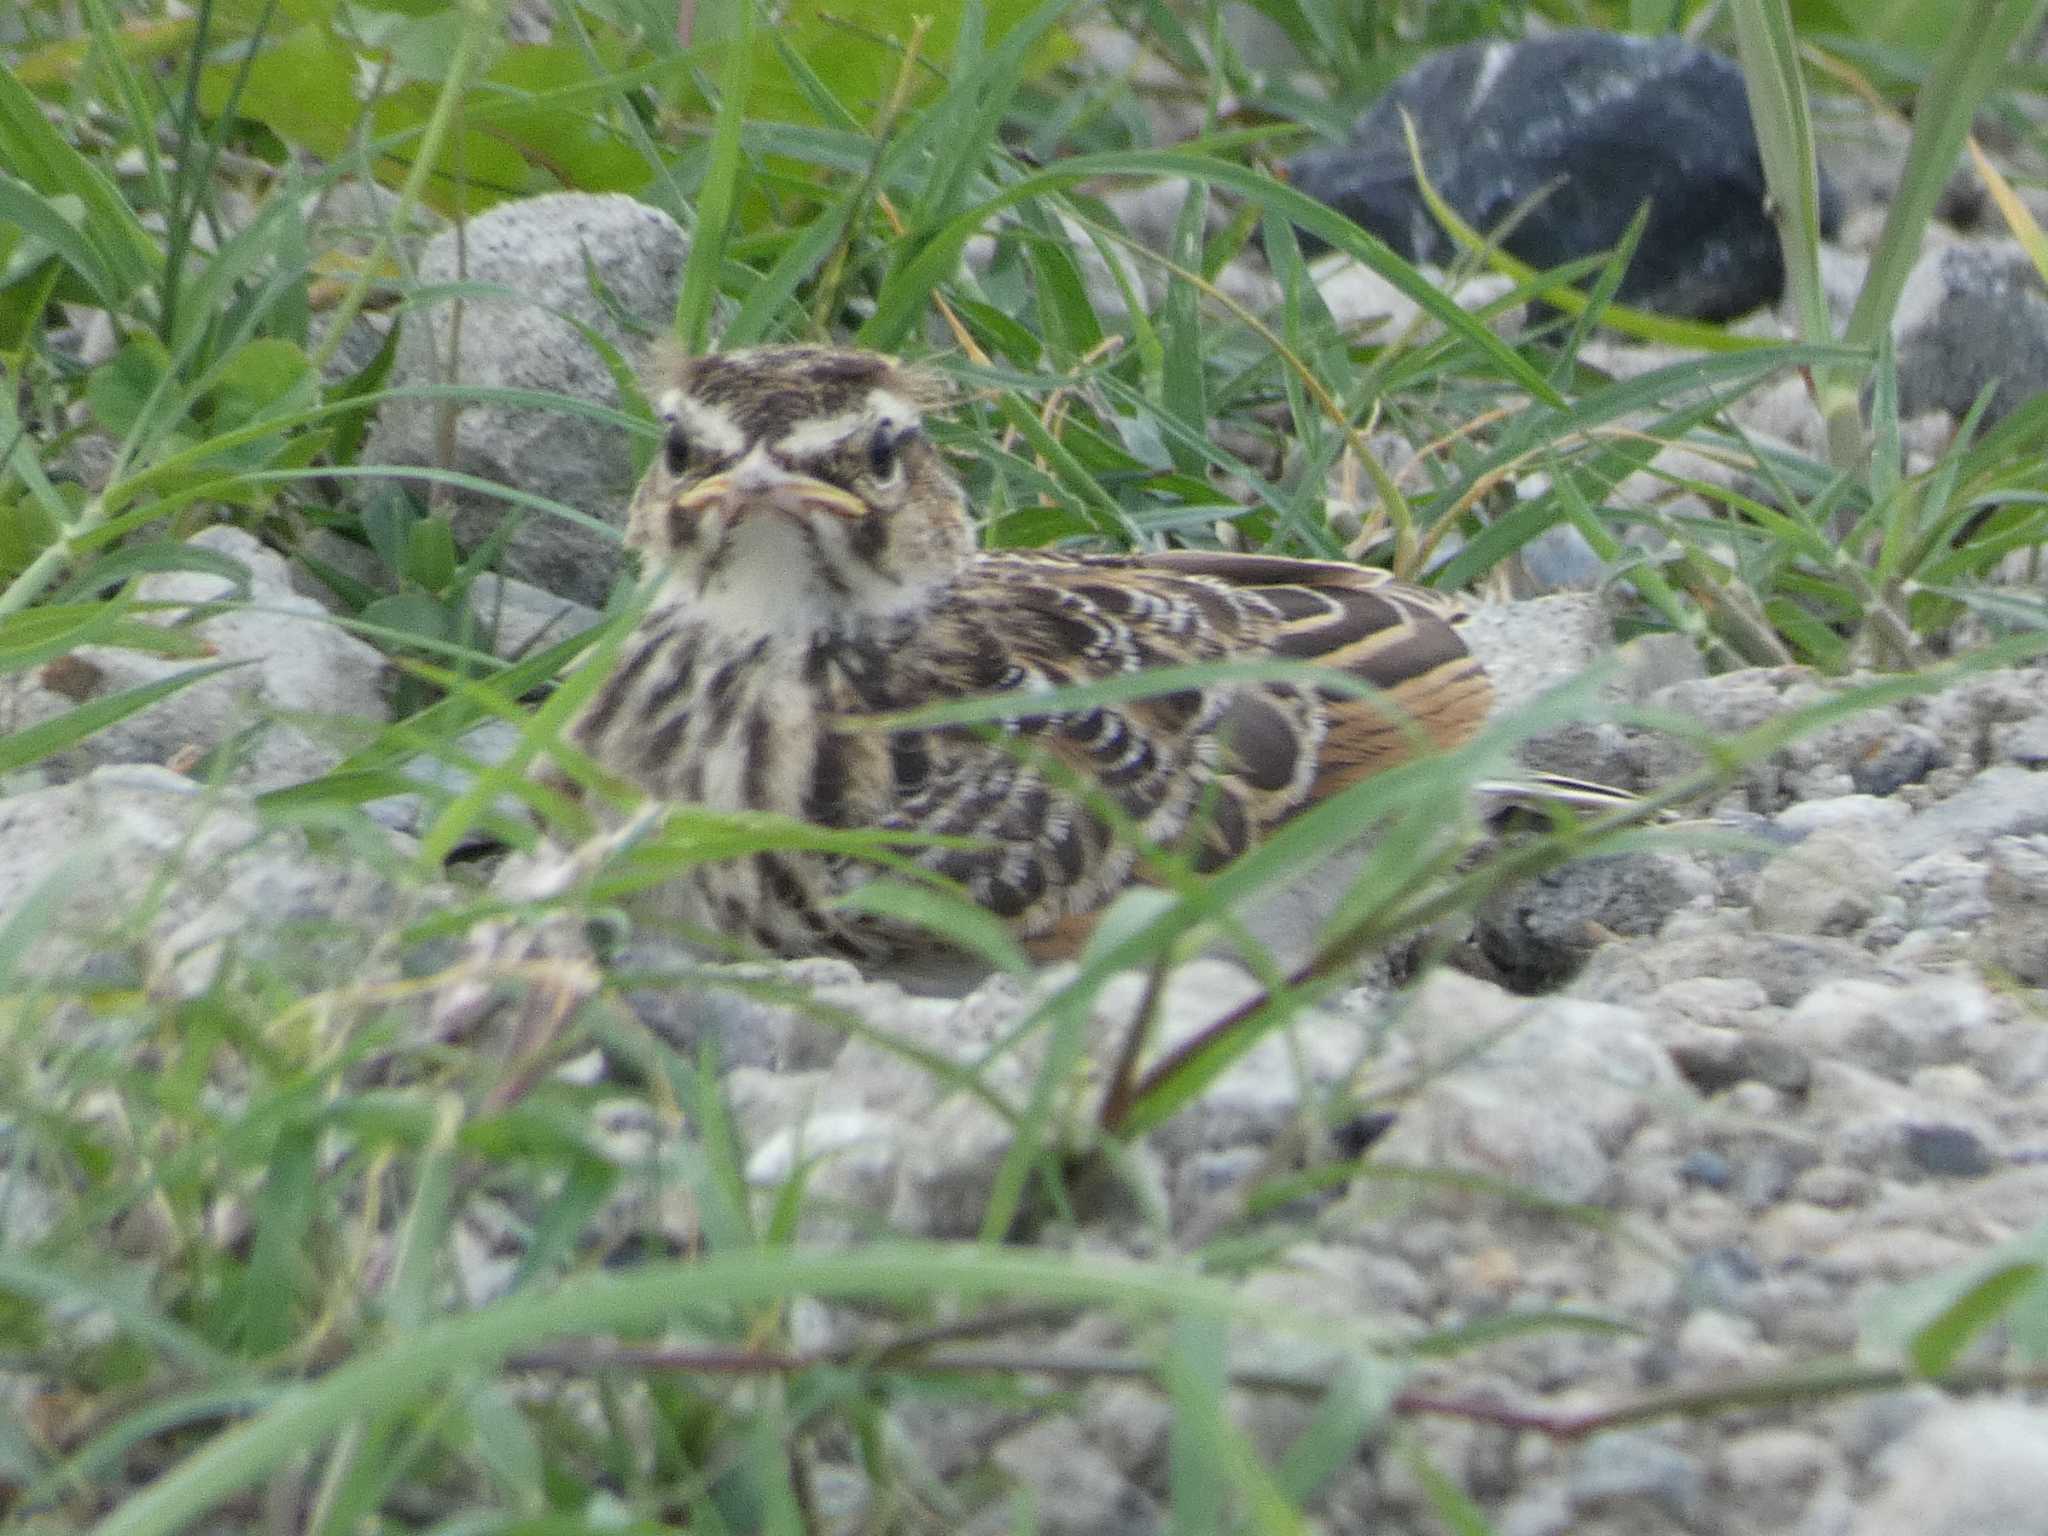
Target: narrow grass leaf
[(1935, 1347), (1197, 1385), (718, 197), (900, 306), (1460, 1515), (727, 1212), (282, 1215), (122, 255), (958, 921), (1353, 1408), (496, 1432)]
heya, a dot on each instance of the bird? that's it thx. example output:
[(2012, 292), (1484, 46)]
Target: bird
[(815, 575)]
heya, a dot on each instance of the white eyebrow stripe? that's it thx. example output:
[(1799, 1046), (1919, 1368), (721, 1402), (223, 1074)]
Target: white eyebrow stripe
[(820, 434), (706, 426), (809, 438)]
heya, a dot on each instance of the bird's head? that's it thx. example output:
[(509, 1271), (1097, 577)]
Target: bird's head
[(795, 488)]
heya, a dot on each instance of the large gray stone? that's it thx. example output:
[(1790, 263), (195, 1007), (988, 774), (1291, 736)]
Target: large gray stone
[(548, 252), (297, 661), (1971, 315), (143, 861), (1540, 1095)]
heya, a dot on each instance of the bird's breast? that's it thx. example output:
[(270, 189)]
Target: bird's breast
[(748, 722)]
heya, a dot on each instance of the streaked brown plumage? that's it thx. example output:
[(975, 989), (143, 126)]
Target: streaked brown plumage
[(816, 565)]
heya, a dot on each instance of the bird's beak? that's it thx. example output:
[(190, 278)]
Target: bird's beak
[(757, 484)]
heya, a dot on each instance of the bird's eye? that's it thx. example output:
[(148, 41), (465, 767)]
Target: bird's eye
[(883, 460), (675, 450)]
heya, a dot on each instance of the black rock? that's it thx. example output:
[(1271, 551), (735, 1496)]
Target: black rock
[(1607, 122), (1954, 1151)]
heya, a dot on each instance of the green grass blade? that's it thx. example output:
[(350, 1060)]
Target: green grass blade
[(34, 743)]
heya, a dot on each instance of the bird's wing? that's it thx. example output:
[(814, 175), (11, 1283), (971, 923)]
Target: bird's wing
[(1206, 768), (1426, 689)]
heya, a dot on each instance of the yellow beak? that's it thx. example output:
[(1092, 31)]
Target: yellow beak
[(756, 484)]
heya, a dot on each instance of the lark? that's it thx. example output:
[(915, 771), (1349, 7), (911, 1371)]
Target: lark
[(816, 571)]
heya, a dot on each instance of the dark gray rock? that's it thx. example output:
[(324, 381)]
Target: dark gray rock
[(1608, 122), (1713, 1059), (1952, 1151), (1972, 315), (1905, 757), (1540, 931)]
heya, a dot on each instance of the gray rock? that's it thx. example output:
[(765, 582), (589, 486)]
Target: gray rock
[(1946, 892), (142, 856), (2002, 801), (1712, 707), (1775, 1476), (1965, 1469), (1722, 1280), (1545, 1105), (1784, 966), (347, 219), (296, 661), (1074, 1489), (950, 1163), (1559, 559), (520, 618), (1636, 1468), (1905, 757), (1258, 1095), (1540, 931), (1705, 1166), (1971, 315), (1713, 1058), (1719, 1002), (1716, 1343), (734, 1011), (1888, 1028), (849, 1161), (544, 250), (1531, 646), (1865, 815), (1831, 883), (2016, 884), (1970, 711), (448, 771), (1572, 132), (1766, 1150), (1949, 1151), (1877, 1124), (2021, 742), (1131, 1424)]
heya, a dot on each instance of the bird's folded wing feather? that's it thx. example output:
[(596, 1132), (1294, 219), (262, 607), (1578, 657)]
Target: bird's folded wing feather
[(1207, 768)]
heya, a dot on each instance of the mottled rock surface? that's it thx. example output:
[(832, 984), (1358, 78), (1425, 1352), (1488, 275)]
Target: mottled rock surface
[(562, 263), (289, 661)]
